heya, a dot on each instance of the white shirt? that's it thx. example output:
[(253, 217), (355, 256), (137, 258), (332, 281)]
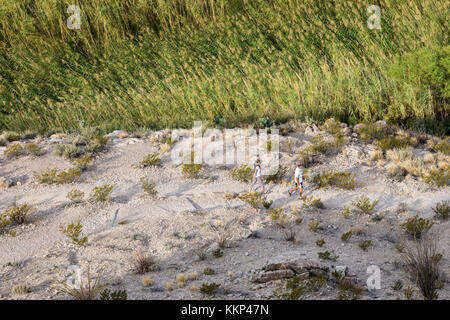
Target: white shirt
[(258, 171), (298, 174)]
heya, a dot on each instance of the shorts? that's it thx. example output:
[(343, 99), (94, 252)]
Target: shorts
[(299, 186)]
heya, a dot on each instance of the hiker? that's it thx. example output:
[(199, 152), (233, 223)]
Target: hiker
[(257, 177), (298, 177)]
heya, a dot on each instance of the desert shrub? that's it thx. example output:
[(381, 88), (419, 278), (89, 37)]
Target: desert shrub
[(13, 150), (289, 234), (217, 253), (20, 289), (254, 199), (75, 195), (68, 176), (209, 271), (319, 145), (4, 221), (46, 176), (18, 213), (11, 136), (422, 267), (33, 149), (242, 173), (396, 173), (142, 263), (364, 244), (152, 159), (391, 142), (208, 288), (148, 187), (313, 225), (363, 203), (113, 295), (348, 290), (293, 289), (101, 193), (346, 212), (87, 290), (277, 175), (73, 232), (438, 177), (311, 202), (191, 170), (82, 162), (398, 155), (93, 148), (320, 242), (223, 231), (416, 226), (442, 146), (442, 210), (344, 180), (371, 131), (275, 213), (398, 285), (326, 255), (347, 235), (68, 151), (100, 139)]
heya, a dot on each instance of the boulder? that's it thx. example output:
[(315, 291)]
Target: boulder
[(5, 183)]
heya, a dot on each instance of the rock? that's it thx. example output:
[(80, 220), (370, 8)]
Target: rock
[(346, 131), (116, 134), (309, 131), (5, 183), (359, 127), (273, 275), (341, 269)]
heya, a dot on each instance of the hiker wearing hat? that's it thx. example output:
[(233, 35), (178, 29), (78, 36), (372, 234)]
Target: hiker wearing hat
[(298, 178), (257, 177)]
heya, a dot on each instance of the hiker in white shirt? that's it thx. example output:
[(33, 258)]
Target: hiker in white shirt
[(257, 177), (298, 179)]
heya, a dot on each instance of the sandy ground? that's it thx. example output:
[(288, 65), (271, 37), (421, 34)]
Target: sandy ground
[(172, 226)]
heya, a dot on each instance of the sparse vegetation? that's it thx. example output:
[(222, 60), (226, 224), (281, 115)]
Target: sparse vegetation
[(51, 176), (313, 225), (20, 289), (16, 214), (192, 170), (365, 244), (209, 288), (101, 193), (148, 187), (222, 231), (242, 173), (363, 203), (347, 235), (68, 151), (442, 210), (13, 150), (423, 268), (254, 199), (142, 263), (152, 159), (82, 163), (326, 255), (209, 271), (276, 175), (311, 202), (113, 295), (331, 178), (417, 226), (73, 231), (346, 212), (320, 242), (75, 195), (33, 149)]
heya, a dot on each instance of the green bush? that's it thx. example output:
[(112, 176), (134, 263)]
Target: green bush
[(242, 173), (363, 203), (152, 159), (416, 226), (344, 180), (442, 210), (101, 193), (73, 232), (13, 150)]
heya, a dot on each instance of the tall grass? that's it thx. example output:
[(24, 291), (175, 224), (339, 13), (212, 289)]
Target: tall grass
[(165, 63)]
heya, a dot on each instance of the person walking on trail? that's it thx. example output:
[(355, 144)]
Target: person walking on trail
[(298, 177), (257, 177)]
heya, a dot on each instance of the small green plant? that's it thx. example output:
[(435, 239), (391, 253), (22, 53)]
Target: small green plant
[(191, 170), (20, 289), (75, 195), (217, 253), (209, 271), (46, 176), (152, 159), (326, 255), (242, 173), (390, 142), (13, 150), (363, 203), (298, 220), (437, 177), (101, 193), (113, 295), (320, 242), (442, 146), (347, 235), (275, 213), (344, 180), (398, 285), (68, 151), (93, 148), (346, 212), (365, 244), (348, 290), (442, 210), (208, 288), (148, 187), (68, 176), (417, 226), (73, 232), (292, 289), (311, 202), (313, 225), (17, 213), (83, 162), (33, 149), (254, 199)]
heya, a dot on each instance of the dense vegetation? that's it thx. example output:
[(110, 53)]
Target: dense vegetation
[(165, 63)]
